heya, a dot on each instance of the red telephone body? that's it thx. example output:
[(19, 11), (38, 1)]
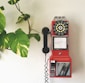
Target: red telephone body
[(60, 61)]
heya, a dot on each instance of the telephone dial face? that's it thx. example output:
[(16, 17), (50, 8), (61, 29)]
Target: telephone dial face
[(60, 61), (60, 27)]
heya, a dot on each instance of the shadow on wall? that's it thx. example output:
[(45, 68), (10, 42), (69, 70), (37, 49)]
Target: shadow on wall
[(74, 46)]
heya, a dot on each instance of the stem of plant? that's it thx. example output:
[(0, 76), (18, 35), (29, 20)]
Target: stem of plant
[(18, 8), (29, 27)]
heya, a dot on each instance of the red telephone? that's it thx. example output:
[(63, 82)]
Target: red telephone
[(60, 61)]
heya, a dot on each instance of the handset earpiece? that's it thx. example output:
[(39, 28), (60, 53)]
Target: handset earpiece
[(45, 32)]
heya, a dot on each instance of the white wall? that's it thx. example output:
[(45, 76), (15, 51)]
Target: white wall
[(14, 69)]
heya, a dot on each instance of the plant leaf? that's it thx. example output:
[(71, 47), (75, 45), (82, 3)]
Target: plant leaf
[(20, 19), (2, 22), (23, 17), (12, 2), (4, 44), (36, 36), (26, 16), (2, 7), (19, 42), (11, 37)]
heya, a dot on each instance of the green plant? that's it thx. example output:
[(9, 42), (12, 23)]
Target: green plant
[(17, 41)]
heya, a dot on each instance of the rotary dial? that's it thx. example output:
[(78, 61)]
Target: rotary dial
[(61, 27)]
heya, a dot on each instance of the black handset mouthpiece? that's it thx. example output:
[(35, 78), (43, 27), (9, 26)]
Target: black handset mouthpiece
[(45, 32)]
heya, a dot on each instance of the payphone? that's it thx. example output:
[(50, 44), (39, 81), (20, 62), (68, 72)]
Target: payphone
[(60, 63)]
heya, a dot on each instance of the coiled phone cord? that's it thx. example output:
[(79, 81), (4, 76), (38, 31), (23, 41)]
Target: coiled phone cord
[(46, 70)]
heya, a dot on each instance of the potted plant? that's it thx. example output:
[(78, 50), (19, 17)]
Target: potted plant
[(17, 41)]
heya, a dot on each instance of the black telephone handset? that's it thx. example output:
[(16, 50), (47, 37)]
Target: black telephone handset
[(45, 32)]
